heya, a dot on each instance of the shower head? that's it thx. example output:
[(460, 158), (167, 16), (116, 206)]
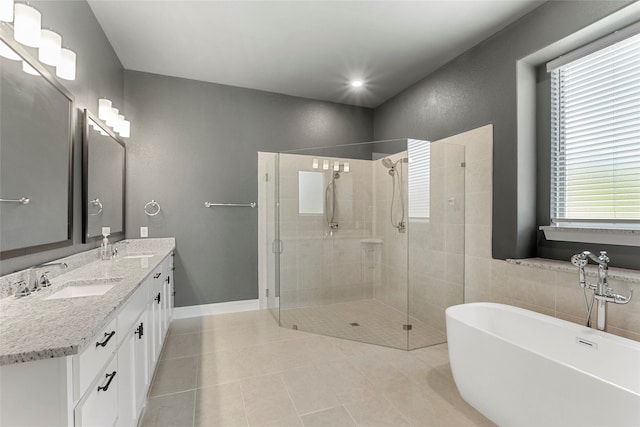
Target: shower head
[(387, 163)]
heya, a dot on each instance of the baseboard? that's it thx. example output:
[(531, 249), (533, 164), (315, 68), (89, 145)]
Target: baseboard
[(217, 308)]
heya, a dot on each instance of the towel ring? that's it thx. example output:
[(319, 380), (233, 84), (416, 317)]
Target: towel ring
[(150, 207), (98, 203)]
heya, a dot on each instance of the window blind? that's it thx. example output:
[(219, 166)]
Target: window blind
[(419, 178), (595, 136)]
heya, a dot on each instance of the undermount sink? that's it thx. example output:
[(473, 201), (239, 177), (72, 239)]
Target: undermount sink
[(85, 288), (132, 256)]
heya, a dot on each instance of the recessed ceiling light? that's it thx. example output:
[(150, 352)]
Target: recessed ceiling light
[(356, 83)]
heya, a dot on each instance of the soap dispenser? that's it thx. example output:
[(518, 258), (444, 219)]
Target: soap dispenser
[(105, 250)]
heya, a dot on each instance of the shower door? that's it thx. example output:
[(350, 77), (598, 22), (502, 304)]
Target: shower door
[(272, 240)]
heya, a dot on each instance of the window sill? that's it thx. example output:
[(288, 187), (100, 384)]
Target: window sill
[(607, 236)]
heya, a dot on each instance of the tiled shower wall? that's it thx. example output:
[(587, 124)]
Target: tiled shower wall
[(551, 292), (319, 268)]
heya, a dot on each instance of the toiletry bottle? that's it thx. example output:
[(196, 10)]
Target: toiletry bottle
[(105, 250)]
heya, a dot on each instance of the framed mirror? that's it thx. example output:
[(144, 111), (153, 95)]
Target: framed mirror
[(103, 180), (36, 157)]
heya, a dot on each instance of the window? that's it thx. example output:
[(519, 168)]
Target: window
[(419, 178), (595, 137)]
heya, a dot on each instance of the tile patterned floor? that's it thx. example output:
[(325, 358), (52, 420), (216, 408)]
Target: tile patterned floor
[(377, 322), (241, 369)]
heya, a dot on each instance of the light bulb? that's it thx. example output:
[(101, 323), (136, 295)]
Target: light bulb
[(26, 25), (66, 68), (6, 10), (113, 117), (29, 69), (357, 83), (336, 166), (125, 129), (7, 52), (50, 47), (118, 124), (104, 108)]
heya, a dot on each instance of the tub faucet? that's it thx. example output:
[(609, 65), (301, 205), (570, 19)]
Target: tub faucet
[(602, 293)]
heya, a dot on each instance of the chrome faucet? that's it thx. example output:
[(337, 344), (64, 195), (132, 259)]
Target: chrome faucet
[(602, 293), (44, 281)]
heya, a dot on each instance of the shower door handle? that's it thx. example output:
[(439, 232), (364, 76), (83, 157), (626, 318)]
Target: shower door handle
[(276, 246)]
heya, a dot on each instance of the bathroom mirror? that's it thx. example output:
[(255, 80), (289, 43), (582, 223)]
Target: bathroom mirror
[(36, 174), (103, 173)]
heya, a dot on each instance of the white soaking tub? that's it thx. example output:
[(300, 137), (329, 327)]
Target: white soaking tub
[(521, 368)]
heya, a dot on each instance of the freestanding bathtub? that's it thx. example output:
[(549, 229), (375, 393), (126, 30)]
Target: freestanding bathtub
[(521, 368)]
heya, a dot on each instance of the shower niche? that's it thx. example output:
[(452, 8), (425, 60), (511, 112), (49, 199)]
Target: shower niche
[(366, 241)]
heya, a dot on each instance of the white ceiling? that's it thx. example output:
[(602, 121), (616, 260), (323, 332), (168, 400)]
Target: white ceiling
[(310, 49)]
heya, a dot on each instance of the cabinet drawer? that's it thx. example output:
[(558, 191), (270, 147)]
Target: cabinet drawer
[(100, 404), (93, 358), (135, 305)]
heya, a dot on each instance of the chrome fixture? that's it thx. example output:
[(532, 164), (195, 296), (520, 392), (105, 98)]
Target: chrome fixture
[(98, 203), (21, 200), (601, 292), (240, 205), (152, 208), (44, 281), (330, 201), (395, 168), (23, 289)]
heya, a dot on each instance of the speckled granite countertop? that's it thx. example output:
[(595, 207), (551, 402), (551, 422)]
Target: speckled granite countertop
[(33, 328), (621, 274)]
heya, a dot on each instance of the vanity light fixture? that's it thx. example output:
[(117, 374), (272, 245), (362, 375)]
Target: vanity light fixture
[(315, 164), (104, 108), (26, 25), (113, 117), (346, 167), (29, 69), (325, 165), (66, 67), (336, 166), (117, 127), (7, 52), (357, 83), (125, 129), (6, 10), (50, 47)]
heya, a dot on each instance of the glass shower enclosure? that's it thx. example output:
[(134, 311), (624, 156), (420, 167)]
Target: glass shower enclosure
[(366, 241)]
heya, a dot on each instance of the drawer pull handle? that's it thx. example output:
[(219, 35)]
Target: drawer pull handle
[(106, 340), (111, 376), (155, 276), (139, 330), (158, 298), (168, 280)]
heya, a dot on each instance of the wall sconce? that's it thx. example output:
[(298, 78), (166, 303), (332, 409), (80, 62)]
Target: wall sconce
[(50, 47), (26, 25), (66, 68), (6, 10), (112, 118), (27, 31)]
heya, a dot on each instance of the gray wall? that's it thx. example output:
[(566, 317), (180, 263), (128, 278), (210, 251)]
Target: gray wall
[(193, 142), (99, 73), (478, 88)]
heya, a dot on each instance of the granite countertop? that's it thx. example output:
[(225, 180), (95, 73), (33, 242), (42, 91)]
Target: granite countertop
[(33, 328), (621, 274)]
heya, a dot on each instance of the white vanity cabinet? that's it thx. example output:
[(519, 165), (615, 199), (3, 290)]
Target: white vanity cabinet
[(106, 384)]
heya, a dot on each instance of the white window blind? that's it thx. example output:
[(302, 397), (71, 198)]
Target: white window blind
[(595, 137), (419, 178)]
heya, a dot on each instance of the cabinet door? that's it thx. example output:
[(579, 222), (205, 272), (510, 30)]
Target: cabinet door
[(155, 324), (126, 391), (99, 407)]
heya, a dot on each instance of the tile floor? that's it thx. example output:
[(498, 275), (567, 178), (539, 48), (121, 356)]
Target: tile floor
[(378, 323), (242, 369)]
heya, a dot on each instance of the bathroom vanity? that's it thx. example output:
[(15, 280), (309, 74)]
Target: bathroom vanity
[(82, 352)]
